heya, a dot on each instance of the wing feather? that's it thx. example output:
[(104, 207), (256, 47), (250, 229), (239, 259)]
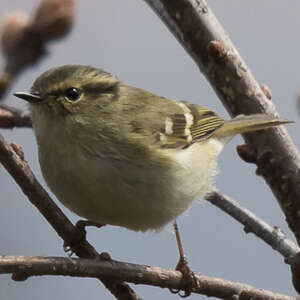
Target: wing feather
[(194, 124)]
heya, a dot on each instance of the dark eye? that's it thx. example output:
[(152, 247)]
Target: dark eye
[(73, 94)]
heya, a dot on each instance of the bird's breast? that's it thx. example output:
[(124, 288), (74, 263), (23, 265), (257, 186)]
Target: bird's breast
[(120, 191)]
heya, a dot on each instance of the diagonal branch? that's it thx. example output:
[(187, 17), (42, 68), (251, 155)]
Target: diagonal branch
[(138, 274), (199, 32), (271, 235), (12, 159)]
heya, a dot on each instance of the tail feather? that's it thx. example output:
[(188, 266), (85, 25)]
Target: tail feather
[(242, 123)]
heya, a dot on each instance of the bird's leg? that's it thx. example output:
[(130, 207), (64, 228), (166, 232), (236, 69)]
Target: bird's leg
[(81, 226), (188, 275)]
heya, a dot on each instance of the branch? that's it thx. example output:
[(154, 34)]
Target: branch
[(24, 39), (271, 235), (11, 157), (138, 274), (199, 32), (11, 117)]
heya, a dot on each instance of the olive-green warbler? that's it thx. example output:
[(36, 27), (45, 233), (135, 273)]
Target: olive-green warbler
[(119, 155)]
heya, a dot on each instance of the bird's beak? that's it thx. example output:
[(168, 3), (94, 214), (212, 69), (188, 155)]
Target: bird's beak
[(32, 98)]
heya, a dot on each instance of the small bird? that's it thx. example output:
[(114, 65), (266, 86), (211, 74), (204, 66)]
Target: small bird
[(115, 154)]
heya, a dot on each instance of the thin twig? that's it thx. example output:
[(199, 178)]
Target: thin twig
[(22, 174), (271, 235), (24, 39), (11, 117), (138, 274)]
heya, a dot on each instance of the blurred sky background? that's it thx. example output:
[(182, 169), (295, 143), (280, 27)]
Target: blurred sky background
[(127, 39)]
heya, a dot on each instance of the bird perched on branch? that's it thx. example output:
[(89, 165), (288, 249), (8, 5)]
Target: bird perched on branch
[(115, 154)]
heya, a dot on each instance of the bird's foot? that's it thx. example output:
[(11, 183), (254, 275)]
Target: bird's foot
[(189, 278), (81, 226)]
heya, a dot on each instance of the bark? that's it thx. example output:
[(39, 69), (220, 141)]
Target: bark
[(138, 274)]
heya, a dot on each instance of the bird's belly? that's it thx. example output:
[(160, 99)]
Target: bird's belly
[(143, 199)]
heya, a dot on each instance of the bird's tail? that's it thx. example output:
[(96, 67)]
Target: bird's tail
[(242, 123)]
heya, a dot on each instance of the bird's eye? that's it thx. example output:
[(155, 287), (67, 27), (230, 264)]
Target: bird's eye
[(73, 93)]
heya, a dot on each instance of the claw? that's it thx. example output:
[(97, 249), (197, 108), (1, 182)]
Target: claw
[(68, 250)]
